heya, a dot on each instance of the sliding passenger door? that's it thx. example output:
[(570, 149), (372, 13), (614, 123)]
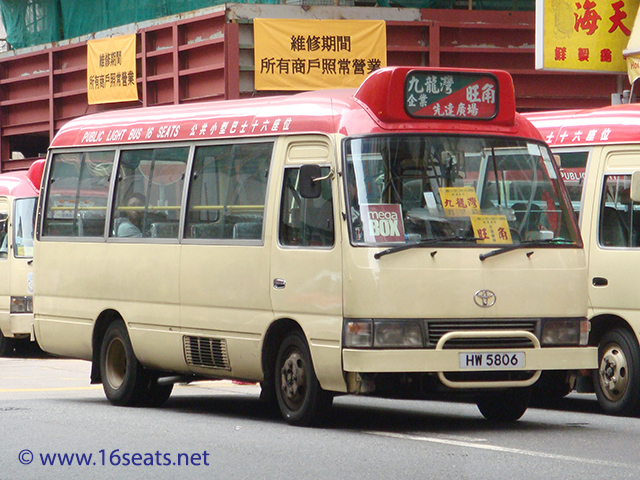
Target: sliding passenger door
[(614, 253), (224, 272)]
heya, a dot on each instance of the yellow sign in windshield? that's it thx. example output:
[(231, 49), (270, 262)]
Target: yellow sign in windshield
[(459, 201), (491, 229)]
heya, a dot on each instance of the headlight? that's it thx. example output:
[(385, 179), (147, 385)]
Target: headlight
[(383, 334), (574, 331), (397, 334), (21, 304)]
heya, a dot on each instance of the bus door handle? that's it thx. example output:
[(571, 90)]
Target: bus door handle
[(279, 283), (599, 282)]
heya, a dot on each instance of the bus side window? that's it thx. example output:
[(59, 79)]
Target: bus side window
[(77, 194), (619, 216), (305, 222), (149, 193), (228, 191)]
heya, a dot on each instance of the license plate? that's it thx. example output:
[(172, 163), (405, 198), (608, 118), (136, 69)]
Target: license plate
[(491, 361)]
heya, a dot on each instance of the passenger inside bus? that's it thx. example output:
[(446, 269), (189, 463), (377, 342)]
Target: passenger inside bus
[(131, 224)]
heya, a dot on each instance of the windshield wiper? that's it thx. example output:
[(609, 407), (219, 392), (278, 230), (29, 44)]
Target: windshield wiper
[(526, 243), (423, 243)]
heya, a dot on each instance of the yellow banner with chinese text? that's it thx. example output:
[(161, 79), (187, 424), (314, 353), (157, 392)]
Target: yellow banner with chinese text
[(587, 35), (317, 54), (111, 70)]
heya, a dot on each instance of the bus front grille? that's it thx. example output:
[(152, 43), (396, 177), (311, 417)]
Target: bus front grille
[(206, 352), (438, 328)]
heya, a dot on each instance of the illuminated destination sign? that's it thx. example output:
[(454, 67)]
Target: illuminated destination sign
[(451, 95)]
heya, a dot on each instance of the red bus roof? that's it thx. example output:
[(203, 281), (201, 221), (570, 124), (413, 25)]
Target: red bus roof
[(377, 106), (614, 124), (22, 183)]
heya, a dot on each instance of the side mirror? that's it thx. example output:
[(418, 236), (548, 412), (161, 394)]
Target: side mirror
[(635, 186), (308, 186)]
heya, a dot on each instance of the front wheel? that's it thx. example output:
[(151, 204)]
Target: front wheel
[(617, 380), (505, 406), (301, 400)]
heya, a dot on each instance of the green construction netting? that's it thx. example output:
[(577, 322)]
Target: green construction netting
[(31, 23), (34, 22), (506, 5)]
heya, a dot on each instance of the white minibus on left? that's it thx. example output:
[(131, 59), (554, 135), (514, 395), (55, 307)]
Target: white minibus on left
[(18, 200)]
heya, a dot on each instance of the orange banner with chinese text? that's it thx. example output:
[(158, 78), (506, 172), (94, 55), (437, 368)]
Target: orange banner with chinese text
[(317, 54), (111, 70)]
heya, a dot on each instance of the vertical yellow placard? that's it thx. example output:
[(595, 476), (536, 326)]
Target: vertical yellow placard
[(316, 54), (459, 201), (491, 228), (585, 35), (111, 70), (633, 68)]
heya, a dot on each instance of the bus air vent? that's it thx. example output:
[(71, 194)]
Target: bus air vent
[(206, 352)]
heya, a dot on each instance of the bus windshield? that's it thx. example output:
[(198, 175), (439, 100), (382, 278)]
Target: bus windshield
[(24, 223), (463, 190)]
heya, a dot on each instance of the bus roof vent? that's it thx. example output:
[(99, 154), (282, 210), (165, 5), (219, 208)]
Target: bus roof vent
[(206, 352)]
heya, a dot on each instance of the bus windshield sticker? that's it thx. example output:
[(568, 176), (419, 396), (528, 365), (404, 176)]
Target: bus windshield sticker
[(548, 164), (382, 223), (459, 201), (431, 203), (429, 94), (533, 149), (491, 229)]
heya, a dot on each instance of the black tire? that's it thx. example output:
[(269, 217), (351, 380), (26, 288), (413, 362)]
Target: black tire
[(155, 395), (504, 406), (617, 380), (301, 400), (124, 381), (553, 385), (6, 345)]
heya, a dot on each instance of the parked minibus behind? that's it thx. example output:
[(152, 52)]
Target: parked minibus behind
[(599, 155)]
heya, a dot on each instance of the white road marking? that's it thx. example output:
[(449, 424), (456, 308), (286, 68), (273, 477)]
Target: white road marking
[(496, 448)]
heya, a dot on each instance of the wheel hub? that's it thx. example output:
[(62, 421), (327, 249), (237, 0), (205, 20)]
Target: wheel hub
[(116, 363), (613, 373), (293, 379)]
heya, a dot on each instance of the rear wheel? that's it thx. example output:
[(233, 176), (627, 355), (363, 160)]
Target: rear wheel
[(123, 378), (505, 406), (617, 382), (300, 398)]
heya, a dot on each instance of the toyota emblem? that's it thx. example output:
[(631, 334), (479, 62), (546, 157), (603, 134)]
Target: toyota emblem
[(485, 298)]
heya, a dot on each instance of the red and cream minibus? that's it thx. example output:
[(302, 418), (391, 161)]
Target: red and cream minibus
[(386, 240), (18, 200), (599, 155)]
